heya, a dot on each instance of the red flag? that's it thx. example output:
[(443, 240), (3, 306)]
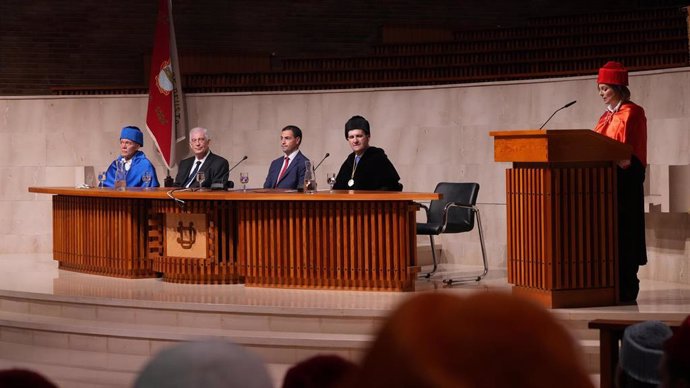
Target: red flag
[(165, 116)]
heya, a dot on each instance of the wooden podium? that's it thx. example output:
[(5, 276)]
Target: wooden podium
[(561, 212)]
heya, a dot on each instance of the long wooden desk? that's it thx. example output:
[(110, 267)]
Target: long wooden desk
[(267, 238)]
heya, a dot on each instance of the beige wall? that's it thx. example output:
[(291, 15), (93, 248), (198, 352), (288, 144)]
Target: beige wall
[(431, 135)]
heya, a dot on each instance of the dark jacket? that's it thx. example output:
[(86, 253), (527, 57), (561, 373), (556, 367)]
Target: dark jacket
[(374, 172)]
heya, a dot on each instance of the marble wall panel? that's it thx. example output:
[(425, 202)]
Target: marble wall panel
[(26, 218), (17, 243), (23, 149), (663, 94), (16, 180), (23, 115), (668, 141)]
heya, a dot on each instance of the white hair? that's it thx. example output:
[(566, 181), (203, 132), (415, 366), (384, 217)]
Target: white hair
[(207, 135)]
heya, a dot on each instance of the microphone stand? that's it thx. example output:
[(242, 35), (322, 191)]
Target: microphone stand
[(226, 176), (554, 113), (324, 158)]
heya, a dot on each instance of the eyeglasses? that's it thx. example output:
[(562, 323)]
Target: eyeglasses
[(199, 140)]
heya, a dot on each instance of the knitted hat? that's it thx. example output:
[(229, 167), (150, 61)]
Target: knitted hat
[(357, 122), (132, 133), (208, 364), (641, 350), (613, 73)]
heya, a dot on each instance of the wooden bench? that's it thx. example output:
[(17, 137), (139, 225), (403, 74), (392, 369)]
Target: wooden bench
[(610, 336)]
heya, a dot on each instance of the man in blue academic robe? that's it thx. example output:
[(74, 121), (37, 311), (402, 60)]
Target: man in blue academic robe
[(134, 161)]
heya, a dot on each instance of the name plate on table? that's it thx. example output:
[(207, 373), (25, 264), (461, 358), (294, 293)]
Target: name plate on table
[(186, 235)]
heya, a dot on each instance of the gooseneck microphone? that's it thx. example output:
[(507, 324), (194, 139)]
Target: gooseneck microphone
[(224, 179), (556, 111), (237, 164), (324, 158)]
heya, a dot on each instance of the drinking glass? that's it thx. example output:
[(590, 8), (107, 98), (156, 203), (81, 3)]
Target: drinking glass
[(101, 179), (330, 179), (200, 178), (146, 178), (244, 179)]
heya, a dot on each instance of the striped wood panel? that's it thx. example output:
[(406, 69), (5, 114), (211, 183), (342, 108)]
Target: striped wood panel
[(364, 245), (103, 236), (561, 227), (220, 264)]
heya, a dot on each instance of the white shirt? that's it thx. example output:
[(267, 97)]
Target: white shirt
[(291, 157), (194, 164)]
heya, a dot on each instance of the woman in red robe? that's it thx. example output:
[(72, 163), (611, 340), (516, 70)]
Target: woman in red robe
[(625, 122)]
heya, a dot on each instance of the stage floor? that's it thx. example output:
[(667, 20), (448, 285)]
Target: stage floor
[(38, 273)]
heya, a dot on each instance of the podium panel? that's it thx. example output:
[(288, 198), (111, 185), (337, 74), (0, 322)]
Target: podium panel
[(562, 216), (103, 236), (561, 235)]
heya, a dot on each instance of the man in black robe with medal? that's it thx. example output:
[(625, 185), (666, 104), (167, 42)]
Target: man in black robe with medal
[(367, 167)]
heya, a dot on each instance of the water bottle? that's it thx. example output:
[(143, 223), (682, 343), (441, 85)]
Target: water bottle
[(120, 175), (309, 178)]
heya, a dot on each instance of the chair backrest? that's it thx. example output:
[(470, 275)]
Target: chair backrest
[(459, 219)]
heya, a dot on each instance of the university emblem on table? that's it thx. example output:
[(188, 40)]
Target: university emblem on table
[(186, 235)]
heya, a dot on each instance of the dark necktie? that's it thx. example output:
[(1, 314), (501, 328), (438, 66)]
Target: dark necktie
[(285, 166), (191, 177)]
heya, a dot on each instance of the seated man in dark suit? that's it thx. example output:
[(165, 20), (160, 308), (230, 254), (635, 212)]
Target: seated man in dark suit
[(287, 172), (367, 167), (214, 167)]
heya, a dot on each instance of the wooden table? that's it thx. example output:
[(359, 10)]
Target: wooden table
[(267, 238)]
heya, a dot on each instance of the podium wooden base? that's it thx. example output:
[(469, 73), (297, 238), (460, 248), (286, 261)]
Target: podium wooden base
[(562, 229), (591, 297)]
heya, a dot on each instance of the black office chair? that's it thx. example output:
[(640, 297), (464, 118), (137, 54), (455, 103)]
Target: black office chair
[(453, 213)]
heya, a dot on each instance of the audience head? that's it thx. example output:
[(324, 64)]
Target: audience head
[(290, 139), (640, 354), (21, 378), (199, 141), (323, 371), (208, 364), (484, 340), (675, 366), (131, 139)]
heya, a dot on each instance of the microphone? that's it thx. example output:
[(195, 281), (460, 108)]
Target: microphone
[(324, 158), (222, 184), (556, 111), (237, 164)]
